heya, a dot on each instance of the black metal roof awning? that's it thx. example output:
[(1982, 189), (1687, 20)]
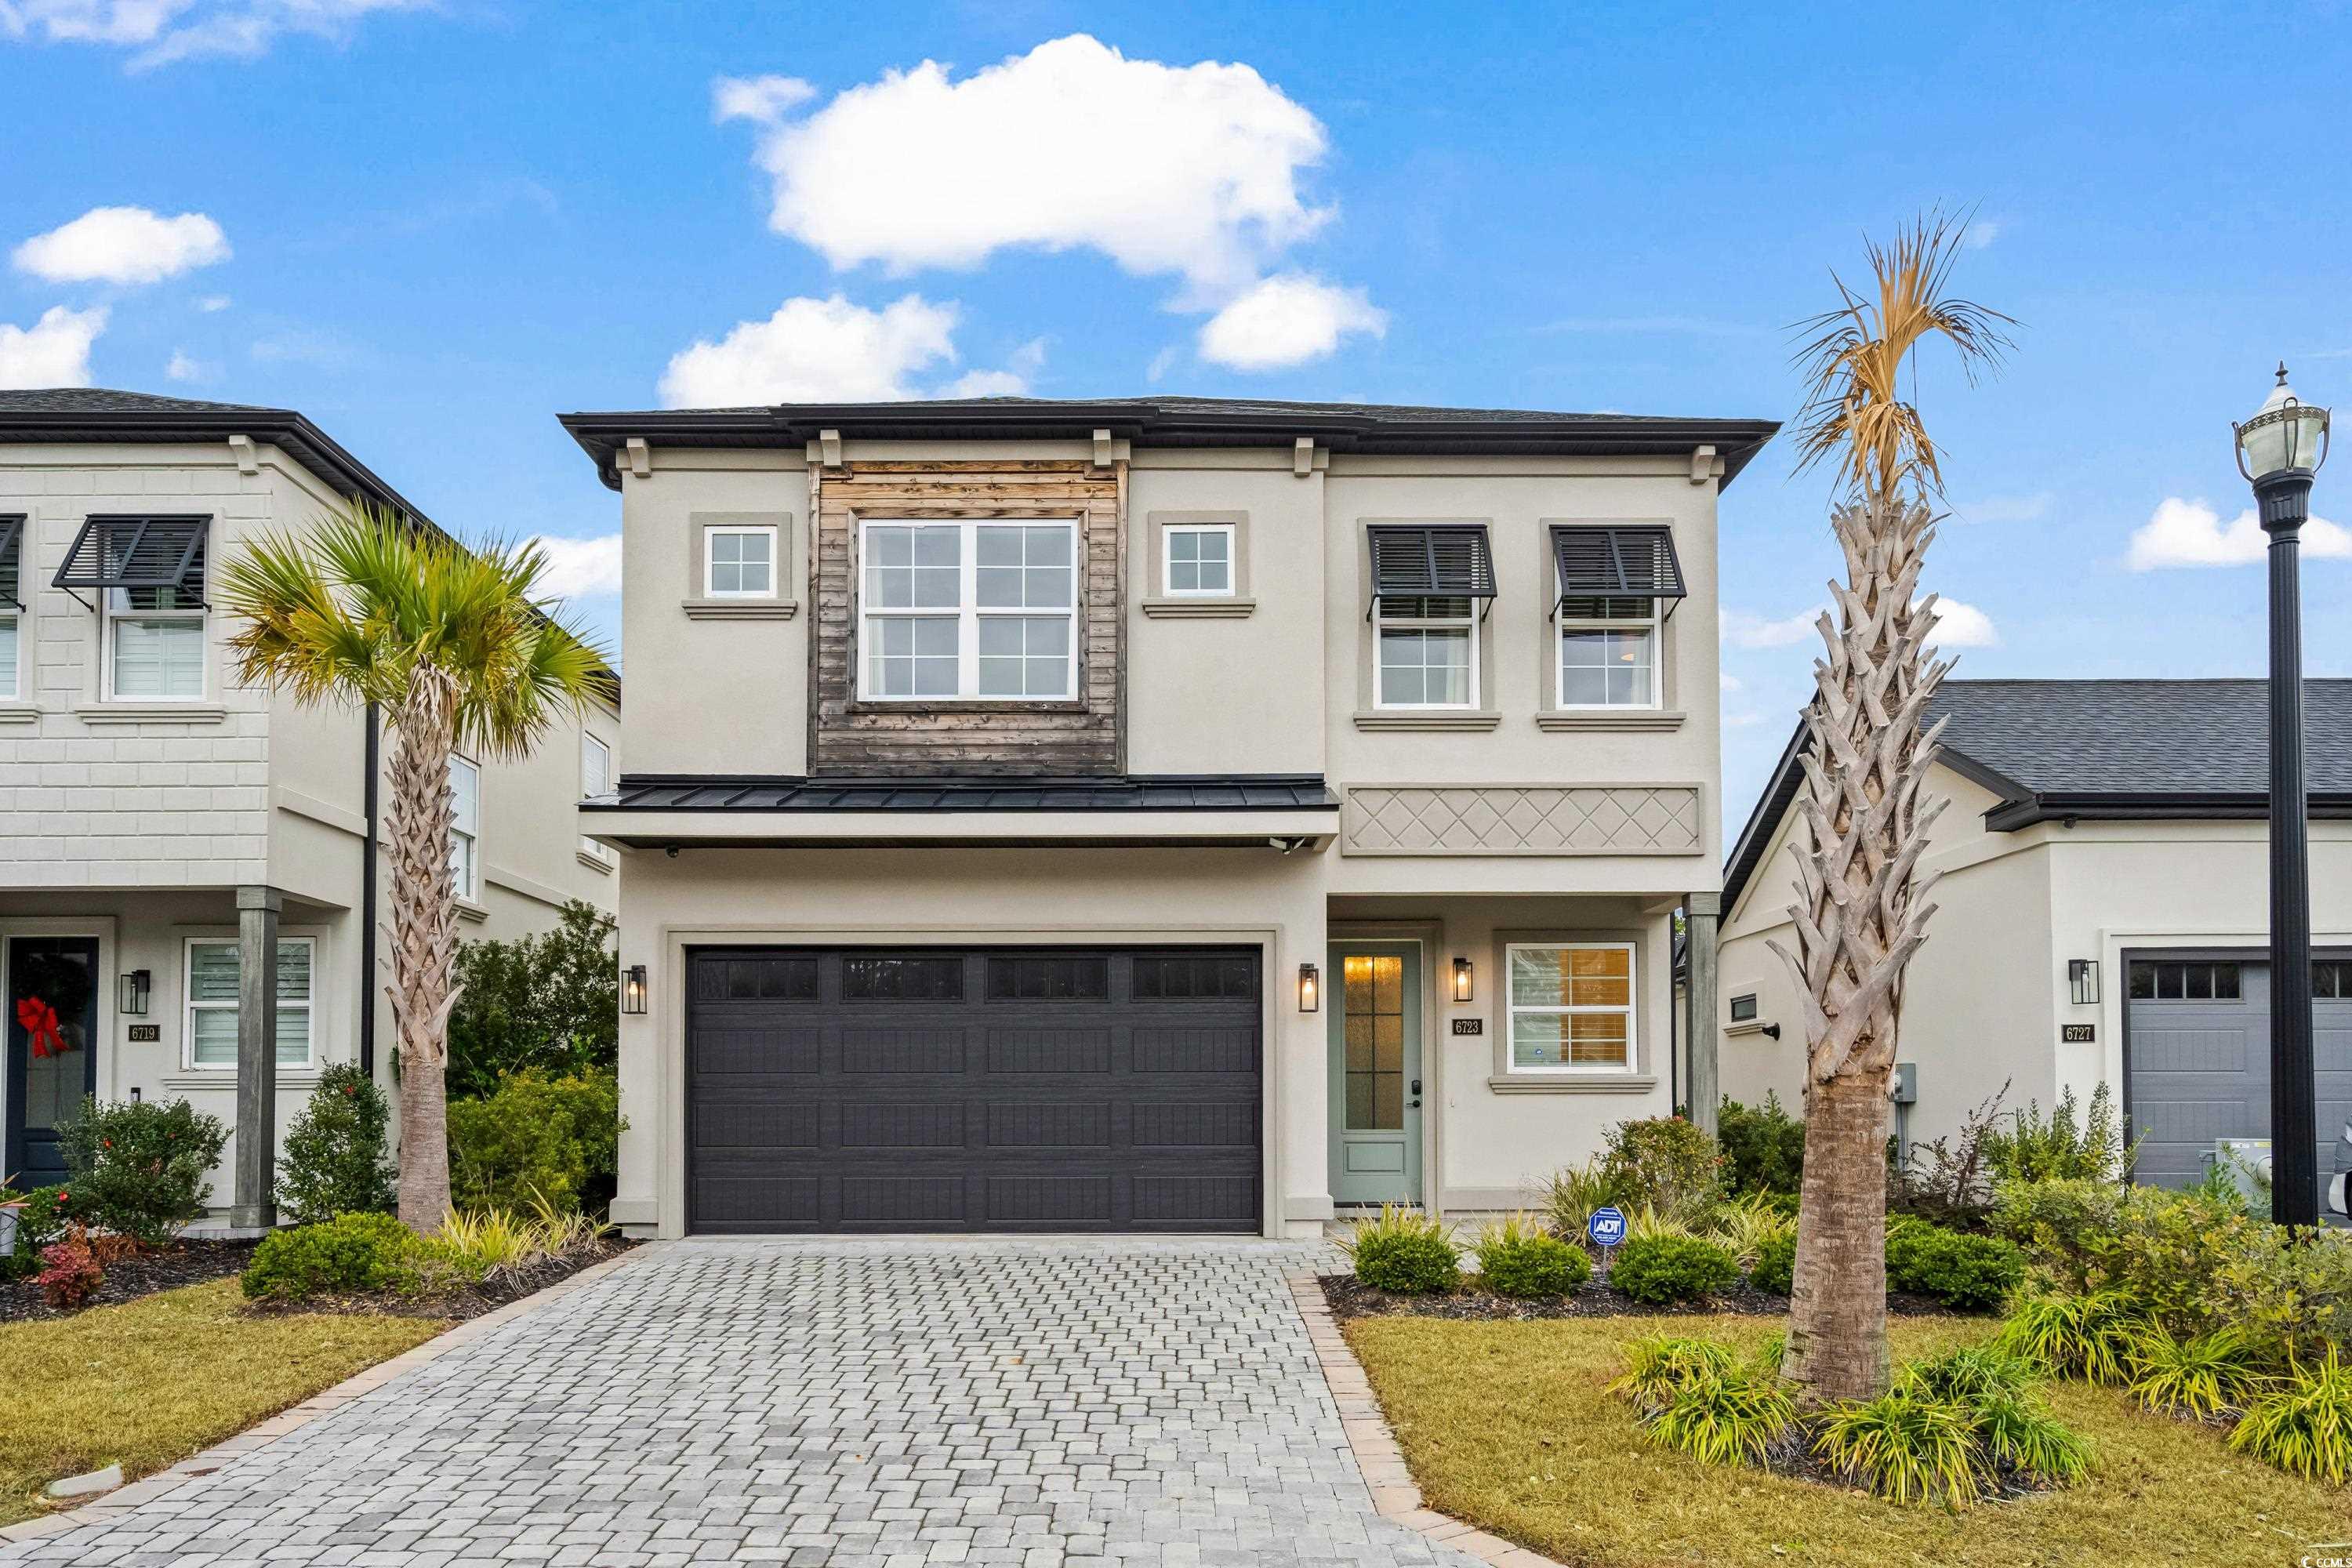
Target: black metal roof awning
[(1424, 560), (132, 552), (1223, 791), (1617, 562)]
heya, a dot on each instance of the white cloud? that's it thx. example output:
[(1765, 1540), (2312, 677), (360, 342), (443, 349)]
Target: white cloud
[(1964, 626), (578, 568), (814, 351), (1982, 233), (1013, 381), (1727, 680), (918, 170), (52, 351), (1288, 319), (1744, 630), (162, 31), (762, 100), (2192, 533), (122, 245), (184, 367), (212, 303)]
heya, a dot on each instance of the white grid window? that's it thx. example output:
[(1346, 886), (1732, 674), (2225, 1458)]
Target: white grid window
[(155, 639), (213, 968), (1608, 653), (969, 610), (595, 778), (1571, 1006), (466, 828), (1200, 561), (739, 562), (1428, 654)]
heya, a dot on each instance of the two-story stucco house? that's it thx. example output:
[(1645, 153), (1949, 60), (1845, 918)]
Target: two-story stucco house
[(163, 828), (1152, 814)]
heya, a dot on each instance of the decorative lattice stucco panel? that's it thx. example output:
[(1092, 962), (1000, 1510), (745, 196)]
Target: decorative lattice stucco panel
[(1524, 819)]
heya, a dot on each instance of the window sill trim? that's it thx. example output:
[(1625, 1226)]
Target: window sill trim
[(1573, 1083), (289, 1077), (19, 713), (1734, 1031), (593, 862), (467, 910), (744, 609), (150, 712), (1632, 720), (936, 705), (1204, 608), (1453, 719)]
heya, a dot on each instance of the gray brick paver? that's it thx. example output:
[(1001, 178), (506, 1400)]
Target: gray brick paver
[(826, 1404)]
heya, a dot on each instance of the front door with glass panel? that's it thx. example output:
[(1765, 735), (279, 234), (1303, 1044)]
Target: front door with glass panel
[(1375, 1042), (52, 1028)]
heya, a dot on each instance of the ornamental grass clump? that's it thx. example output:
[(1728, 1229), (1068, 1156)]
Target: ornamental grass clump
[(1657, 1270), (2198, 1378), (1904, 1446), (1517, 1257), (2087, 1336), (1404, 1251), (1749, 1225), (2304, 1425), (1658, 1364), (1698, 1397)]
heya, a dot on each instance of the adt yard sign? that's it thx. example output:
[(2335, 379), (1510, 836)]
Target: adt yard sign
[(1607, 1226)]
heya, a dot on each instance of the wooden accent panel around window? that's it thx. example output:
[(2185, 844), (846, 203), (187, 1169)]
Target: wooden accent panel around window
[(1082, 737)]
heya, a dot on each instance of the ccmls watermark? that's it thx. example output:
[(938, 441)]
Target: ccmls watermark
[(2327, 1554)]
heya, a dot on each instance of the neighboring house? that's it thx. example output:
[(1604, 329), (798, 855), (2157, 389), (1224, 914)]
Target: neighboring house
[(2105, 840), (163, 826), (1157, 814)]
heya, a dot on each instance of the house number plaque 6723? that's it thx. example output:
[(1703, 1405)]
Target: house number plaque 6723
[(1469, 1026)]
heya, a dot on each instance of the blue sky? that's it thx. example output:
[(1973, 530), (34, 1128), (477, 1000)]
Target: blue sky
[(432, 227)]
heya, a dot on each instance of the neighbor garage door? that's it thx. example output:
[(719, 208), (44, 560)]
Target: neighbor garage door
[(933, 1089), (2197, 1063)]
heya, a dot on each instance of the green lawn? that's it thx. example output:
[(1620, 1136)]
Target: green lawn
[(151, 1382), (1506, 1425)]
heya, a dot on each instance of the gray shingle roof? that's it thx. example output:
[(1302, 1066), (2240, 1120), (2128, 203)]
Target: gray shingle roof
[(107, 400), (2106, 748)]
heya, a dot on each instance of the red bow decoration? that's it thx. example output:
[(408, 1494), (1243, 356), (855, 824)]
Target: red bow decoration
[(40, 1022)]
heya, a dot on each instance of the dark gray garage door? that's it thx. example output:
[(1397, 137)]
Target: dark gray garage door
[(934, 1090), (2196, 1059)]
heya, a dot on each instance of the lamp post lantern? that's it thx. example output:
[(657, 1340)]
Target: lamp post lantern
[(2279, 450)]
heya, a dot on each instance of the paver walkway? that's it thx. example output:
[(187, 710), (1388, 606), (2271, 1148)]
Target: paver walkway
[(838, 1403)]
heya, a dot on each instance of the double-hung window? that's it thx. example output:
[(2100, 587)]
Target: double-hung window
[(12, 608), (739, 562), (212, 997), (1616, 585), (969, 610), (1199, 559), (1432, 584), (1571, 1006), (465, 829), (595, 778), (148, 576)]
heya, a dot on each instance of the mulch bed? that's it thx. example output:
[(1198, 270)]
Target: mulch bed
[(460, 1304), (185, 1262), (1350, 1298)]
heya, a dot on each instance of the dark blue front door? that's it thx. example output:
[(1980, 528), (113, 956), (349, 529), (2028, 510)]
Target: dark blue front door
[(52, 1022)]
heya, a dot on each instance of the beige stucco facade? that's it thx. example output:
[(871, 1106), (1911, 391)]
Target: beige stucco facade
[(1456, 831), (136, 823)]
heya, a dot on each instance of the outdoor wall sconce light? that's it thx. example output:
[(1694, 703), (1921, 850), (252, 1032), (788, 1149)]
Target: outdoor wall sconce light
[(1310, 988), (2082, 981), (1462, 991), (632, 989), (131, 993)]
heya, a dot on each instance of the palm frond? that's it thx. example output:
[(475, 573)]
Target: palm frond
[(1855, 416)]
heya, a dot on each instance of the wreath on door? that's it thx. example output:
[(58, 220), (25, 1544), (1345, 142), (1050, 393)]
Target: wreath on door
[(39, 1022)]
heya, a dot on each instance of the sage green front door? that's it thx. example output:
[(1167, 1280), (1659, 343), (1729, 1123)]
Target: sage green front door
[(1375, 1041)]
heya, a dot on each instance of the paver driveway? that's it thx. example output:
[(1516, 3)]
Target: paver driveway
[(838, 1403)]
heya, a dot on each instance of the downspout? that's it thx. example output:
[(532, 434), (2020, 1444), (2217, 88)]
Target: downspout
[(367, 900)]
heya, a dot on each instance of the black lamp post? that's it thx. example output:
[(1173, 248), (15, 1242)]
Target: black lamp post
[(2279, 450)]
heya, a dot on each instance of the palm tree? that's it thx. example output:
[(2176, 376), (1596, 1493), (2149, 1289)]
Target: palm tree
[(1863, 909), (371, 606)]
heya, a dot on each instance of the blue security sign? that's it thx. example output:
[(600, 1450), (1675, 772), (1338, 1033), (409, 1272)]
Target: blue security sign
[(1607, 1226)]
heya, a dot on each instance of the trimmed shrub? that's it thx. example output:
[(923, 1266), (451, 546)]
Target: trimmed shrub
[(537, 1138), (1763, 1146), (1404, 1251), (69, 1272), (41, 1218), (1665, 1164), (2031, 1149), (2188, 1262), (2306, 1427), (354, 1253), (138, 1166), (334, 1160), (1776, 1265), (549, 1001), (1972, 1273), (1518, 1258), (1657, 1270)]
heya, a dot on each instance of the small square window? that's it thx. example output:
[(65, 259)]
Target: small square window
[(1743, 1008), (740, 563), (1200, 561)]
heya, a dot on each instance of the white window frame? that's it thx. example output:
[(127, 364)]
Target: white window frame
[(190, 1006), (1631, 1010), (1653, 624), (589, 847), (117, 611), (1168, 588), (469, 885), (11, 621), (967, 612), (1466, 624), (709, 565)]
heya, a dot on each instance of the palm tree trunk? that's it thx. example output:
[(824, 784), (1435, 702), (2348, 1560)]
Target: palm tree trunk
[(1862, 914), (422, 940)]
